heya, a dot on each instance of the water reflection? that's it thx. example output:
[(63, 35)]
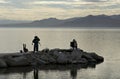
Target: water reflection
[(13, 70), (73, 72), (35, 72), (74, 68), (25, 71), (24, 75)]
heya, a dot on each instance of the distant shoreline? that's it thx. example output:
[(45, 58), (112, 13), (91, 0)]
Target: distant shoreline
[(65, 28)]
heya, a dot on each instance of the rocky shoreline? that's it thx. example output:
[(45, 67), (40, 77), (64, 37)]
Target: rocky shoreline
[(47, 57)]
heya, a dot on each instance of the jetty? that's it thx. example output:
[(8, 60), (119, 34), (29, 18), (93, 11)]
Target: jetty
[(49, 57)]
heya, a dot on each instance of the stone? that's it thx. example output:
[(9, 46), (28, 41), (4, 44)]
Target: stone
[(47, 56), (62, 58), (76, 55), (17, 61), (97, 57), (3, 63)]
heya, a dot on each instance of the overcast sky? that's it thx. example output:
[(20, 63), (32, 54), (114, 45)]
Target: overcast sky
[(39, 9)]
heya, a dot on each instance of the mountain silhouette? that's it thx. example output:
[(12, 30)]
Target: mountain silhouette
[(94, 21), (98, 21)]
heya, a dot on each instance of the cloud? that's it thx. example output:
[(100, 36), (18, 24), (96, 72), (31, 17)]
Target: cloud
[(65, 4), (3, 1), (72, 2), (96, 0), (75, 3), (39, 9)]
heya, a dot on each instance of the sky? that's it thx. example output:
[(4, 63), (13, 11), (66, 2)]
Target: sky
[(61, 9)]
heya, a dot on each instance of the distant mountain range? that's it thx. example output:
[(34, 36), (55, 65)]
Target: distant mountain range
[(99, 21), (2, 22)]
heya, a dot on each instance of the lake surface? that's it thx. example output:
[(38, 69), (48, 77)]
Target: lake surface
[(104, 42)]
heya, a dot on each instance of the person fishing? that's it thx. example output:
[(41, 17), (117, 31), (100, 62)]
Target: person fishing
[(36, 43), (73, 44)]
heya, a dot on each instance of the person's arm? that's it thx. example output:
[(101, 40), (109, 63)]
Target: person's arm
[(39, 43), (32, 42)]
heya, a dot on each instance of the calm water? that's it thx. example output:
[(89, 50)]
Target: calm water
[(103, 42)]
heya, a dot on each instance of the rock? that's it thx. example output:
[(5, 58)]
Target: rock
[(54, 56), (47, 58), (3, 63), (56, 53), (62, 58), (35, 59), (76, 55), (96, 57), (88, 57), (17, 61), (82, 61), (45, 50), (38, 62)]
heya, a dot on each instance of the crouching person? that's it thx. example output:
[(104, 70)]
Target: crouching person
[(73, 44)]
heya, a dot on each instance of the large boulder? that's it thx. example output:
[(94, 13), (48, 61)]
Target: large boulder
[(76, 55), (47, 58), (62, 58), (3, 63), (96, 57), (88, 57), (17, 61)]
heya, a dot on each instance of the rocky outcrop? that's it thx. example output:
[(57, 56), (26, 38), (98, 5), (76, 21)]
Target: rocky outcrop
[(17, 61), (53, 56), (3, 63)]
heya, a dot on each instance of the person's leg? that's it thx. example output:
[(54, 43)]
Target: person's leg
[(37, 48), (34, 48), (75, 47)]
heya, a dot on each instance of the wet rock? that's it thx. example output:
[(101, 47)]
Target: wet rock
[(62, 58), (97, 57), (3, 63), (47, 56), (76, 55), (88, 57), (17, 61), (35, 59)]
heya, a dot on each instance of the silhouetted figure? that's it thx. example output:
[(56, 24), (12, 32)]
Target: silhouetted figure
[(73, 44), (24, 48), (24, 75), (36, 43), (35, 72), (73, 72)]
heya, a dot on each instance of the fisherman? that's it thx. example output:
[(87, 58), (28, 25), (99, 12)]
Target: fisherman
[(24, 48), (73, 44), (36, 43)]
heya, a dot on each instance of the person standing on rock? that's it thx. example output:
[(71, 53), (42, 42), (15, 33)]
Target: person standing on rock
[(36, 43), (73, 44)]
